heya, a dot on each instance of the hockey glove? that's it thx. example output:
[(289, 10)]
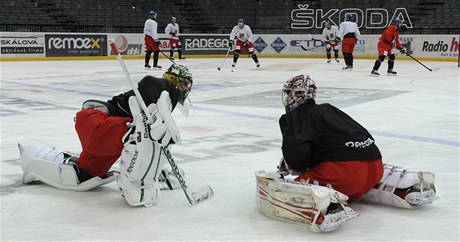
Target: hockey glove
[(230, 44), (246, 43), (402, 50), (173, 34), (157, 43)]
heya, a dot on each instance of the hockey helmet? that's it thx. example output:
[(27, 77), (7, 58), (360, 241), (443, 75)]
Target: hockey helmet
[(397, 20), (152, 14), (327, 23), (181, 78), (298, 90), (240, 22), (349, 17), (173, 18)]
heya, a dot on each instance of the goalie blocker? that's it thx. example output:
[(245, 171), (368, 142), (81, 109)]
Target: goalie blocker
[(301, 203)]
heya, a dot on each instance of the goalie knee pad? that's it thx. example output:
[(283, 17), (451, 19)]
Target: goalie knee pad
[(141, 161), (300, 202), (402, 188), (56, 169)]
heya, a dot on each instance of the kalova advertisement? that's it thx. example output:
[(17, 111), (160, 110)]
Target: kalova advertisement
[(22, 44)]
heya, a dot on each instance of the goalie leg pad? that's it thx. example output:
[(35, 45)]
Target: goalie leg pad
[(302, 203), (402, 188), (141, 162), (51, 167)]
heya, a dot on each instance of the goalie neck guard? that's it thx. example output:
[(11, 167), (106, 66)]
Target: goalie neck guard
[(181, 78), (298, 90)]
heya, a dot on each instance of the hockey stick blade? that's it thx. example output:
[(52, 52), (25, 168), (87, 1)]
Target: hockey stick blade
[(201, 195), (194, 197)]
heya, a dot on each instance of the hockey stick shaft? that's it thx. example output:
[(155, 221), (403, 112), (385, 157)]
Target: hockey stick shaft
[(303, 48), (168, 58), (418, 61), (128, 75), (225, 58)]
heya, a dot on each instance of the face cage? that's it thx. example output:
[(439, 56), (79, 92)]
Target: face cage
[(293, 97), (183, 85)]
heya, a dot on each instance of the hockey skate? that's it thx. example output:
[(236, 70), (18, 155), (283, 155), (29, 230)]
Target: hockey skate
[(347, 68), (328, 61), (374, 73), (337, 59), (157, 67), (181, 58), (390, 72), (257, 65), (171, 58), (147, 66)]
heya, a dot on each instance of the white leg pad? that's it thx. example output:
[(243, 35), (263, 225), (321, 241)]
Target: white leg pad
[(141, 162), (420, 186), (50, 167), (300, 203)]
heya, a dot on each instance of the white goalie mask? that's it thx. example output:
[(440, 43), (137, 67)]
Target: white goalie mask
[(297, 90)]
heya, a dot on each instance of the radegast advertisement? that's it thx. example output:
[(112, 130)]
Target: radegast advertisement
[(206, 44), (75, 45)]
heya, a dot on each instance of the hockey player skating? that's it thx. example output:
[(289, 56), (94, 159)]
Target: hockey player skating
[(348, 33), (242, 35), (152, 42), (117, 129), (329, 159), (388, 40), (172, 29), (330, 38)]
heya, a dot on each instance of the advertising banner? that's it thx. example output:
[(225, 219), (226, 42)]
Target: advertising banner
[(128, 44), (75, 45), (22, 44), (206, 44)]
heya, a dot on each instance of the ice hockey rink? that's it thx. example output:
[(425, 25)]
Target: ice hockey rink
[(231, 132)]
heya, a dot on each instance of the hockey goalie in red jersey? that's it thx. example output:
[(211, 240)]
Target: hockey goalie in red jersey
[(388, 40), (118, 129), (329, 159)]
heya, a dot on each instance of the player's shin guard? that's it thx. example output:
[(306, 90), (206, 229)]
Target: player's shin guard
[(391, 62), (328, 54), (402, 188), (336, 54), (236, 55), (147, 57), (171, 53), (156, 54), (141, 161), (56, 169), (302, 203), (378, 62), (254, 57)]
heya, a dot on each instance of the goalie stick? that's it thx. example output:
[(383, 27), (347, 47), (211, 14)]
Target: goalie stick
[(193, 197)]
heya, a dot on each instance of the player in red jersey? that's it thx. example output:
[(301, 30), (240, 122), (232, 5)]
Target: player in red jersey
[(388, 40)]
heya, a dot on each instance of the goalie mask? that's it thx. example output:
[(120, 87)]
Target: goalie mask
[(297, 91), (181, 78)]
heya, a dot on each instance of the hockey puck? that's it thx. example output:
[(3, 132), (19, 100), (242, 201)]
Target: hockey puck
[(218, 68)]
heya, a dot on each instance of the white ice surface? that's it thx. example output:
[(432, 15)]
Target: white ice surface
[(231, 133)]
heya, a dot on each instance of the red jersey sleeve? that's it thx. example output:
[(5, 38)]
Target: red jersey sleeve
[(391, 35)]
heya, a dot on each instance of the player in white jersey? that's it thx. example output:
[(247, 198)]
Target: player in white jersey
[(348, 33), (152, 42), (330, 38), (172, 29), (242, 35)]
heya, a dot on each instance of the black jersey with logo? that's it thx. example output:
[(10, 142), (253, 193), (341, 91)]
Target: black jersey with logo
[(315, 133)]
